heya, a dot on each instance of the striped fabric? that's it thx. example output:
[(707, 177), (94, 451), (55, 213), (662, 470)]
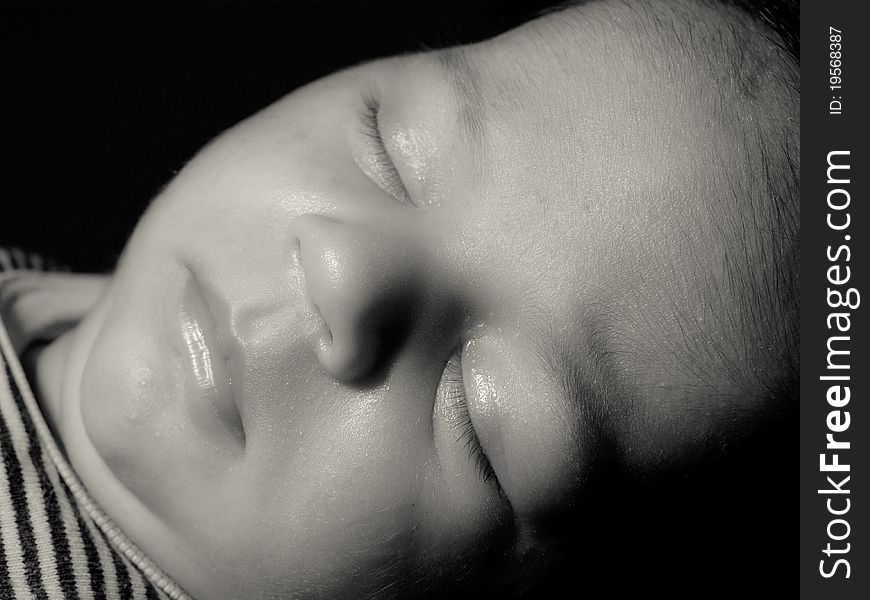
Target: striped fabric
[(55, 542)]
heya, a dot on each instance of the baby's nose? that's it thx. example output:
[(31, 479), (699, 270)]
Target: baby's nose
[(362, 279)]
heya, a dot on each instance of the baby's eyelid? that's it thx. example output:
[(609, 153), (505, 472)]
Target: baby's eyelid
[(469, 435), (386, 175)]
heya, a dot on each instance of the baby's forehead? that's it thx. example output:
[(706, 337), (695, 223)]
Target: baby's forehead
[(646, 98)]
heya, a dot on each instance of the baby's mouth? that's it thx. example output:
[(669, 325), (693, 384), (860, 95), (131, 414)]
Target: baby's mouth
[(212, 356)]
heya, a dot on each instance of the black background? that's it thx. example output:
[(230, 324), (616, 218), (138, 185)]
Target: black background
[(103, 104)]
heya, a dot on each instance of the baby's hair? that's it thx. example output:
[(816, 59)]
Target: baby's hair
[(758, 96), (745, 53)]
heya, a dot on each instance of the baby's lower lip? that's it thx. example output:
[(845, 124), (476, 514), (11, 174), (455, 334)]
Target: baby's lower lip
[(211, 394)]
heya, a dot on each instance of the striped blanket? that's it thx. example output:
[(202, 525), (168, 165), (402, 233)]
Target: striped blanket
[(55, 542)]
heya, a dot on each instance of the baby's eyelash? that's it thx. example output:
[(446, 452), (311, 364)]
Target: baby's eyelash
[(391, 179), (462, 419)]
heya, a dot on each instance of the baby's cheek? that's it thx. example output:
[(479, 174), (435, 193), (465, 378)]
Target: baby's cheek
[(121, 399)]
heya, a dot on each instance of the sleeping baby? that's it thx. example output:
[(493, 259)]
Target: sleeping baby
[(378, 339)]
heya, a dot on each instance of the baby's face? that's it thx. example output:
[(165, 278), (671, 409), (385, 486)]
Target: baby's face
[(344, 352)]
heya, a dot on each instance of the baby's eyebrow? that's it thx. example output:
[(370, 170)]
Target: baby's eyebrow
[(584, 373), (463, 78)]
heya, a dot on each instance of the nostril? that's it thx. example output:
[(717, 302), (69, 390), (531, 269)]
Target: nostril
[(324, 337), (297, 269), (363, 354), (343, 358)]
